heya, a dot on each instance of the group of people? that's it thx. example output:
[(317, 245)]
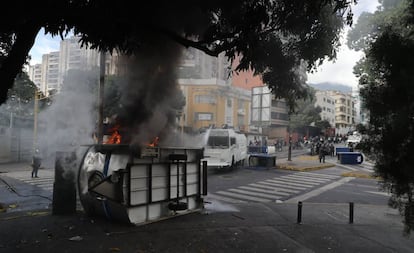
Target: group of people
[(324, 148)]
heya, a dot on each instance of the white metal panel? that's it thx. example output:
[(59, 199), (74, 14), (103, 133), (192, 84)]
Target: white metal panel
[(138, 197), (159, 194), (139, 171)]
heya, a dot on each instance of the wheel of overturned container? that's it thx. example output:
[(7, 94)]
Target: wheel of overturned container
[(89, 177)]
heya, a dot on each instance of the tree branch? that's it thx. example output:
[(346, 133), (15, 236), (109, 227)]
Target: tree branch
[(195, 44)]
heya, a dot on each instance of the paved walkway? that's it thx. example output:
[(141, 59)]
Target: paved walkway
[(244, 228)]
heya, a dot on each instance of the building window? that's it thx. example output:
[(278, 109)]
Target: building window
[(201, 116), (240, 120), (240, 104), (205, 99), (280, 116), (228, 102), (228, 119), (278, 103)]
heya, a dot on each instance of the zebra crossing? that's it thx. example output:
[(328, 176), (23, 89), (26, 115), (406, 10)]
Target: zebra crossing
[(274, 189), (44, 181), (269, 190)]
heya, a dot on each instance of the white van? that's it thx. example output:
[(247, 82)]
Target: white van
[(224, 148)]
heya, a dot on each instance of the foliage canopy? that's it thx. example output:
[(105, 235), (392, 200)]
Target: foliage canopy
[(277, 39), (387, 89)]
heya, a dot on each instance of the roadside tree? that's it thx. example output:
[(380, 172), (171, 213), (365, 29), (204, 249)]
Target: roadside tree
[(387, 88), (305, 112)]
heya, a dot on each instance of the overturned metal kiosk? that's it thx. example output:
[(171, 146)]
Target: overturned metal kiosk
[(139, 185)]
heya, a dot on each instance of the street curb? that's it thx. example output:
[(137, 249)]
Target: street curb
[(286, 166), (22, 214), (359, 174)]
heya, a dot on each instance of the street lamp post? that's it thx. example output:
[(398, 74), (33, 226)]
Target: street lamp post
[(290, 142), (35, 112), (290, 148), (100, 97)]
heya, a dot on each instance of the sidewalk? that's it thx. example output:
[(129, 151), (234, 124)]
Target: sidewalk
[(10, 167), (248, 228)]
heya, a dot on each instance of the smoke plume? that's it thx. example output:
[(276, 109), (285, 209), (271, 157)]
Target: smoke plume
[(69, 121), (149, 94)]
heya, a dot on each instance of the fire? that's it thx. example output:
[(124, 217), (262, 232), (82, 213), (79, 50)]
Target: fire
[(115, 138), (154, 142)]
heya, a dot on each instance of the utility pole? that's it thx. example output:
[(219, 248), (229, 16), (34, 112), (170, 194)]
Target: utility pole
[(35, 112), (100, 97), (290, 142)]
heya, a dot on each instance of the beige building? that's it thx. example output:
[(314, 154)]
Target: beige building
[(211, 99), (212, 102), (345, 112)]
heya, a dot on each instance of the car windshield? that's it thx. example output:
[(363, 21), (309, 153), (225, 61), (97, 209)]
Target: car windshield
[(218, 142)]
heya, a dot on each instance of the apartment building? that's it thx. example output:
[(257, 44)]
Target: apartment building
[(269, 113), (212, 102), (345, 112), (327, 104), (35, 74), (72, 56), (211, 99), (196, 64), (50, 74)]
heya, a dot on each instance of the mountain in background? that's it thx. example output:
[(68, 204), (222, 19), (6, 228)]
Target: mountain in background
[(331, 86)]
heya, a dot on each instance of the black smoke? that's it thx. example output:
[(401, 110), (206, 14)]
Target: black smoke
[(149, 91)]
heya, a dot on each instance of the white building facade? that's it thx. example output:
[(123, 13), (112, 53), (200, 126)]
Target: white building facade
[(72, 56), (35, 74), (327, 104), (50, 74), (50, 71)]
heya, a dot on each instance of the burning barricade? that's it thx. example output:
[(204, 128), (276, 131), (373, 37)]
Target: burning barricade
[(141, 184)]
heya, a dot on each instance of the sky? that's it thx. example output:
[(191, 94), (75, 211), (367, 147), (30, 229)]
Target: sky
[(338, 71), (341, 70), (44, 44)]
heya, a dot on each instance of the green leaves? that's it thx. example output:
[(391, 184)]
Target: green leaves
[(387, 89)]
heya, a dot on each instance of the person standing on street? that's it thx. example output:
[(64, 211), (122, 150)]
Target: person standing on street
[(36, 161), (322, 152)]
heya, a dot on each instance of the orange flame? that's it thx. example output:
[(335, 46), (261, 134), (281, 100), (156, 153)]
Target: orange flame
[(115, 138), (154, 142)]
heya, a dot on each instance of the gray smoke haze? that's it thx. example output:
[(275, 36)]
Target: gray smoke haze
[(149, 97), (68, 123)]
